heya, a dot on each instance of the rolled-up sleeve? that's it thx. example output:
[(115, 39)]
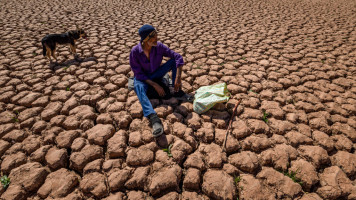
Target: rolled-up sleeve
[(167, 52), (136, 67)]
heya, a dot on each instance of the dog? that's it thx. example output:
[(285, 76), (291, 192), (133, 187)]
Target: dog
[(50, 42)]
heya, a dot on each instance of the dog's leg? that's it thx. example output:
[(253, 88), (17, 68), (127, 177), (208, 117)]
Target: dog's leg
[(54, 55), (73, 48), (48, 54)]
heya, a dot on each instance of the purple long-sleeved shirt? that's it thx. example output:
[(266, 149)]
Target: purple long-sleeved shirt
[(141, 66)]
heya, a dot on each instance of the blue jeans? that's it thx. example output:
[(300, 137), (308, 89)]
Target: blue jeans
[(140, 87)]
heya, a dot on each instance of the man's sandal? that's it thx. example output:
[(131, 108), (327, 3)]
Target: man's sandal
[(157, 127), (182, 96)]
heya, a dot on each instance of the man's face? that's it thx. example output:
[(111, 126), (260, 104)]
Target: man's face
[(153, 39)]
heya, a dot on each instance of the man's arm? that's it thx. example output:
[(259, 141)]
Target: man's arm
[(167, 52), (179, 63), (178, 82)]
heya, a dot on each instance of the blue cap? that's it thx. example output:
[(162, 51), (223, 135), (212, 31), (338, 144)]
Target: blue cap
[(145, 30)]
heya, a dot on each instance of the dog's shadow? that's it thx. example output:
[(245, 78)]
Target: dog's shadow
[(58, 65)]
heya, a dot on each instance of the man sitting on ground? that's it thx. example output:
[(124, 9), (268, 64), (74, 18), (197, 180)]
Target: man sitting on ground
[(145, 62)]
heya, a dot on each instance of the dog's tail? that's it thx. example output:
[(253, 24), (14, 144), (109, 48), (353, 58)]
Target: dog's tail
[(44, 49)]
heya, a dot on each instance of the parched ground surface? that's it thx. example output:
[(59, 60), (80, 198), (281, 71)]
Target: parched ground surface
[(76, 132)]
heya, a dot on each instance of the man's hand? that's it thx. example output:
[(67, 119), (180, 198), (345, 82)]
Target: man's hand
[(159, 90), (157, 87), (177, 85)]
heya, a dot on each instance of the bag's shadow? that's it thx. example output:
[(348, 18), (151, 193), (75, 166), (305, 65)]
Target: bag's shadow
[(58, 65)]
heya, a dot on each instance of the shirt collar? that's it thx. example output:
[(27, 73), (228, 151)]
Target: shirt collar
[(140, 49)]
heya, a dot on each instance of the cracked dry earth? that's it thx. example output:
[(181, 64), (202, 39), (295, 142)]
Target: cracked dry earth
[(78, 133)]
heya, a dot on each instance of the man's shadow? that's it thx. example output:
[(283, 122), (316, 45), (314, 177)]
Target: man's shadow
[(76, 61)]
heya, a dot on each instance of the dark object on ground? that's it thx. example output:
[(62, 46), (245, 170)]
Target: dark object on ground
[(182, 96), (162, 141)]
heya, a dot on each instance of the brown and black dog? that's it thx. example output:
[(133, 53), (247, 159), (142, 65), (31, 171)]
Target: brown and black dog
[(50, 42)]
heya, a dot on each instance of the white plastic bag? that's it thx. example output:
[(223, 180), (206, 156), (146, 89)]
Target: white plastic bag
[(207, 96)]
